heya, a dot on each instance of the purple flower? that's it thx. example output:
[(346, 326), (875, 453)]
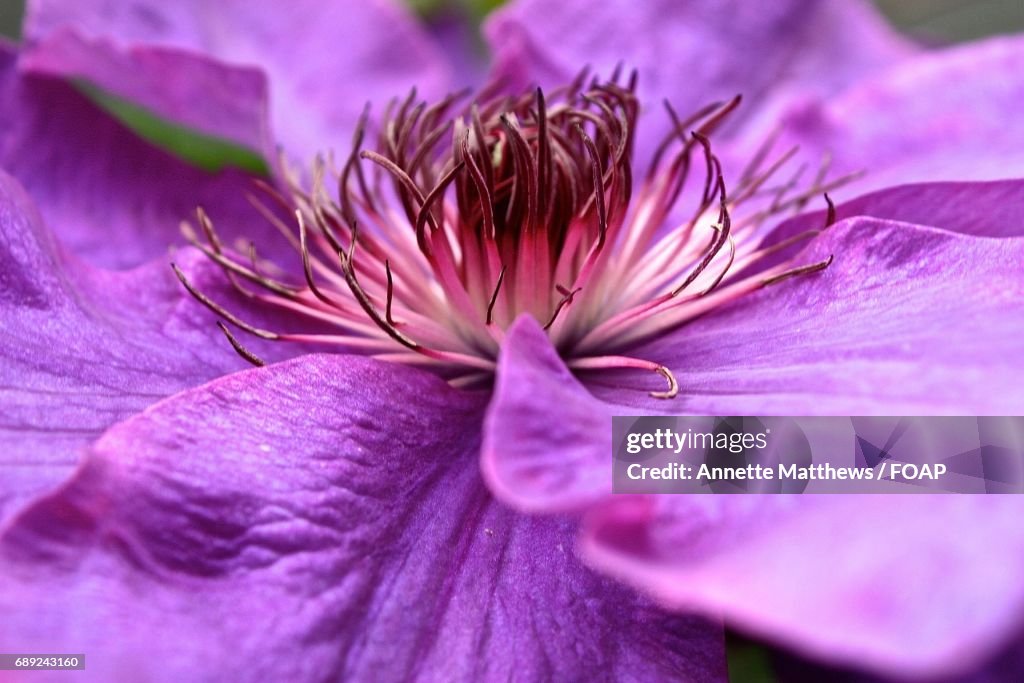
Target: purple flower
[(338, 517)]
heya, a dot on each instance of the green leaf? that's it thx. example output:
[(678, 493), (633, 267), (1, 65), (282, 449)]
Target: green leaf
[(477, 10), (485, 7), (748, 662), (208, 152)]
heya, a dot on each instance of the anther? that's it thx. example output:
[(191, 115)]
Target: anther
[(239, 349)]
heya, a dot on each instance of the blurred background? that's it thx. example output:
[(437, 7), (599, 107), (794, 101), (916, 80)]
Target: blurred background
[(950, 21), (933, 21)]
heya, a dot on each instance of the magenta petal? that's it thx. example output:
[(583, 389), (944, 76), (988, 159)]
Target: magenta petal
[(909, 585), (329, 512), (110, 197), (323, 60), (82, 349), (698, 51), (940, 116)]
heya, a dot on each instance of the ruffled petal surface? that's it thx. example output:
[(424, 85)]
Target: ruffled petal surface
[(110, 197), (320, 519), (696, 52), (323, 60), (939, 116), (83, 348)]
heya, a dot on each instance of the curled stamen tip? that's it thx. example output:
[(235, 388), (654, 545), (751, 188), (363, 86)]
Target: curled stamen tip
[(673, 385), (239, 349)]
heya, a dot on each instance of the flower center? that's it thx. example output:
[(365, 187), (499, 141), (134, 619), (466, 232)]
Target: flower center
[(459, 222)]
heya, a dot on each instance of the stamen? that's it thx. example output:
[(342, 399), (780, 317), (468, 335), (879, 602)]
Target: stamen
[(241, 350), (494, 296), (567, 297), (625, 362), (348, 268), (725, 224), (830, 218), (802, 270), (595, 166), (391, 294), (306, 267), (472, 215), (220, 310)]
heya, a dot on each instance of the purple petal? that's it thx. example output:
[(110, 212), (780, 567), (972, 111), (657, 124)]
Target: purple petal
[(82, 349), (907, 320), (328, 512), (189, 89), (547, 440), (941, 116), (989, 209), (456, 34), (110, 197), (696, 52), (907, 585), (984, 209), (323, 60)]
